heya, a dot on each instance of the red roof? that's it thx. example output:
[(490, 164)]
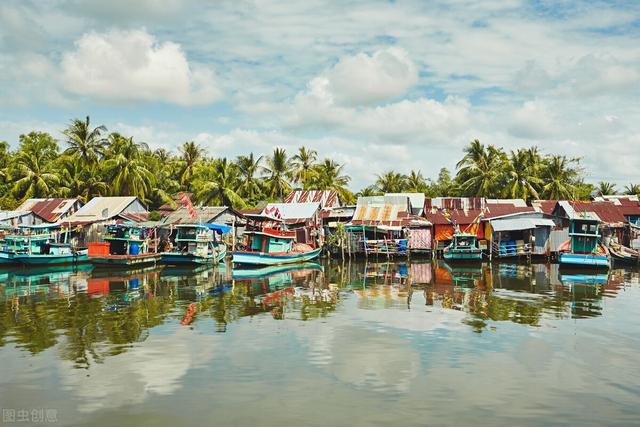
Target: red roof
[(608, 212), (462, 217), (50, 210), (326, 198), (545, 206)]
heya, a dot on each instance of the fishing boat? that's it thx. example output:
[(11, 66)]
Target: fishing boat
[(583, 247), (274, 247), (40, 245), (126, 245), (624, 255), (463, 247), (197, 244)]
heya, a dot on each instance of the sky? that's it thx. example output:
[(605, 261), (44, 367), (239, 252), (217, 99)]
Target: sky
[(376, 85)]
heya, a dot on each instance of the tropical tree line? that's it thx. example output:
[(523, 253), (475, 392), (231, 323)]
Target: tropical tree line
[(91, 162)]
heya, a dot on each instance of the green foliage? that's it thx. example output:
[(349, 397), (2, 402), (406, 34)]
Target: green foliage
[(96, 163)]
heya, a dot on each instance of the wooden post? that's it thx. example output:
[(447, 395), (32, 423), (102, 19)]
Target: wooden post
[(233, 233)]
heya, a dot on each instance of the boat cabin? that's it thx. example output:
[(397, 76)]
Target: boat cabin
[(36, 239), (584, 235), (270, 241), (128, 239)]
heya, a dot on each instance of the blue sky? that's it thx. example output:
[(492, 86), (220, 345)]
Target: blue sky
[(376, 85)]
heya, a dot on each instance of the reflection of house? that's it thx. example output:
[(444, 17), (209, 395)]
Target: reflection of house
[(51, 210), (387, 225)]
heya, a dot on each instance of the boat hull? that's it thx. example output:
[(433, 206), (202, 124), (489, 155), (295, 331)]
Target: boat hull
[(462, 256), (51, 259), (260, 272), (259, 258), (126, 260), (586, 260), (192, 259), (7, 258)]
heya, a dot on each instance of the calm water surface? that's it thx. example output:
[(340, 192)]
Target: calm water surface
[(355, 344)]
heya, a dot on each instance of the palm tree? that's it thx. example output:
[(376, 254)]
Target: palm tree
[(329, 176), (87, 143), (523, 174), (368, 191), (416, 182), (278, 170), (391, 182), (217, 184), (191, 153), (479, 171), (560, 178), (249, 167), (303, 166), (605, 188), (77, 181), (127, 170), (632, 189), (33, 166)]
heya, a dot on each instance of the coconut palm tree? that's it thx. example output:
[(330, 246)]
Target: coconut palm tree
[(523, 175), (303, 166), (479, 171), (33, 167), (560, 178), (632, 189), (278, 171), (127, 169), (87, 143), (190, 154), (605, 188), (329, 176), (368, 191), (249, 167), (217, 184), (416, 182), (391, 182)]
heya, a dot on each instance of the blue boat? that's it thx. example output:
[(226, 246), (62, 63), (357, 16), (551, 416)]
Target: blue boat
[(583, 247), (274, 247), (197, 244), (463, 247), (39, 245)]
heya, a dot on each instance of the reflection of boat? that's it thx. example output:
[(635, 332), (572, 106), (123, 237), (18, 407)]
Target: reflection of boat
[(274, 247), (584, 248), (463, 247), (586, 279), (257, 273), (197, 244), (125, 245), (624, 255), (463, 276)]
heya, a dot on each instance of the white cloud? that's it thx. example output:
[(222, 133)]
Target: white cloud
[(134, 66), (366, 79), (532, 121)]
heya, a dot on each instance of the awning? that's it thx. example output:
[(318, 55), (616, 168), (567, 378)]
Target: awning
[(218, 228), (520, 224)]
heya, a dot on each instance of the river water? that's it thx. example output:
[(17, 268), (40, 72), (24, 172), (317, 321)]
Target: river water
[(334, 344)]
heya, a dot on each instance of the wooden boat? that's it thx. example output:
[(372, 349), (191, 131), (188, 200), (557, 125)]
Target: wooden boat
[(274, 247), (125, 245), (197, 244), (624, 255), (39, 245), (463, 247), (583, 247)]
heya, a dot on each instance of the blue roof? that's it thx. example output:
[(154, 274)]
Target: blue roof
[(218, 228)]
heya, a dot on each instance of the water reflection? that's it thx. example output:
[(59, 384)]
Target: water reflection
[(93, 315)]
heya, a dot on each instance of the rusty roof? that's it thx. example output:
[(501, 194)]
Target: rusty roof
[(465, 217), (608, 212), (50, 210), (326, 198)]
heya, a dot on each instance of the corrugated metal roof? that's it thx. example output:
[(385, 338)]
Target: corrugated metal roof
[(326, 198), (520, 224), (416, 200), (50, 209), (204, 214), (101, 208), (289, 211), (607, 212), (545, 206), (6, 215)]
